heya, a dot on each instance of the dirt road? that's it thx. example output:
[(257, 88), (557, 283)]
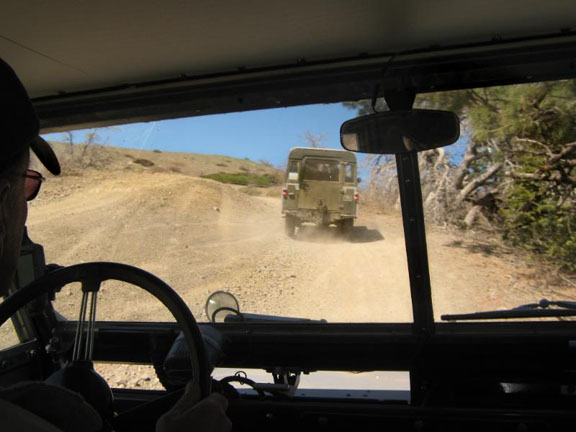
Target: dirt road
[(201, 236)]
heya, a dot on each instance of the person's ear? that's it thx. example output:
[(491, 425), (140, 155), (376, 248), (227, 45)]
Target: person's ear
[(4, 191)]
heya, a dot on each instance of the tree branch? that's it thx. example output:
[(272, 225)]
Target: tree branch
[(536, 142), (483, 100), (478, 181), (554, 177), (470, 156), (569, 148)]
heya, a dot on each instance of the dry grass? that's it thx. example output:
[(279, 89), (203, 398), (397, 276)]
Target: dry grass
[(75, 159)]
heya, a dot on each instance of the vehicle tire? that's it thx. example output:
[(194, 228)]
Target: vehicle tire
[(346, 226), (290, 226)]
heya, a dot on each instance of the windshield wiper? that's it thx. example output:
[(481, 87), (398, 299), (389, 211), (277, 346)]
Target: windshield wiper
[(544, 308)]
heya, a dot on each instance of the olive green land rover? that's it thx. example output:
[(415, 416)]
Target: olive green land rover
[(321, 188)]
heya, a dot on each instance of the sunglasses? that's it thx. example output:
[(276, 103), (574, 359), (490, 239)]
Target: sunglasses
[(32, 182)]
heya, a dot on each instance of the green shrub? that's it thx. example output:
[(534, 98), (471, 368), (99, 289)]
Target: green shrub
[(143, 162), (243, 178), (534, 220)]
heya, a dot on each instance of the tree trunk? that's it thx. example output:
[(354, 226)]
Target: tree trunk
[(472, 215), (477, 182)]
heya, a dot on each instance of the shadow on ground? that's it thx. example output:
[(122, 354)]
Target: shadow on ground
[(315, 234), (485, 249)]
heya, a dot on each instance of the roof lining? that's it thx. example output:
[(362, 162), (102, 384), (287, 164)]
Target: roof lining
[(499, 62)]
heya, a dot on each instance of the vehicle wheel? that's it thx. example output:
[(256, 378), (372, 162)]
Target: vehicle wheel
[(290, 226), (346, 226)]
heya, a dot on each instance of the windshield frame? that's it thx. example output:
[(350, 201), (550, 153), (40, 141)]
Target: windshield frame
[(432, 69)]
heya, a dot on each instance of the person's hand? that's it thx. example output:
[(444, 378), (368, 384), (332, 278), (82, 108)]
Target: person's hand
[(190, 414)]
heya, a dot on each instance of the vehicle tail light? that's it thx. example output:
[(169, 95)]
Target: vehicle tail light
[(284, 193), (356, 196)]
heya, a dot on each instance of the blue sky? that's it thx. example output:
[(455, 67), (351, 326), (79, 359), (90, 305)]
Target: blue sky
[(258, 135), (266, 134)]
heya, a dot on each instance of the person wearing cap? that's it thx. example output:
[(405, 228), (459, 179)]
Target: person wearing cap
[(19, 128), (36, 406)]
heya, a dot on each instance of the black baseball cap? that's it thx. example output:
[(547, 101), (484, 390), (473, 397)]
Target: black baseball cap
[(19, 125)]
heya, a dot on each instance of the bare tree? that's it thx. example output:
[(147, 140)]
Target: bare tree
[(70, 142), (93, 154), (312, 140)]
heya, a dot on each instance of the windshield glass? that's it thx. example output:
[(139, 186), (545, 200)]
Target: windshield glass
[(500, 203), (206, 204), (322, 170)]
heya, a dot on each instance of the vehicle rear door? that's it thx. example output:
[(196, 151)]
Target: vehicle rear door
[(320, 184), (349, 189)]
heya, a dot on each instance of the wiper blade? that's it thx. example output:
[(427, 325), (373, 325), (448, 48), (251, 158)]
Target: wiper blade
[(543, 309)]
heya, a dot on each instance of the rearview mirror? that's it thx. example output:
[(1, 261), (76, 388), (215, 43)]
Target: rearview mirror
[(394, 132)]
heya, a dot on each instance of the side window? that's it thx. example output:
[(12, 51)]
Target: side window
[(349, 173), (10, 333), (8, 336), (293, 170)]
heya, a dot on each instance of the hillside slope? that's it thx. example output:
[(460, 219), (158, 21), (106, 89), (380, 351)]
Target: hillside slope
[(79, 157)]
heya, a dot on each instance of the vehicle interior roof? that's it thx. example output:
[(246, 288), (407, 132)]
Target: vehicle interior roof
[(67, 48)]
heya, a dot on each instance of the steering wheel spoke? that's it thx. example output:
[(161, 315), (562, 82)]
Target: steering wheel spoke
[(91, 296)]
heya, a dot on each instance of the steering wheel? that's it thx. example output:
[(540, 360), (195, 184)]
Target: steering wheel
[(91, 276)]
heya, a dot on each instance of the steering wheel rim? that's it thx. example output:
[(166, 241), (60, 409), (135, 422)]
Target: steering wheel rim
[(103, 271)]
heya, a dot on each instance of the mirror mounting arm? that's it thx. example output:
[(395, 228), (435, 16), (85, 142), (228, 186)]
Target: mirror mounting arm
[(374, 100), (400, 100)]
